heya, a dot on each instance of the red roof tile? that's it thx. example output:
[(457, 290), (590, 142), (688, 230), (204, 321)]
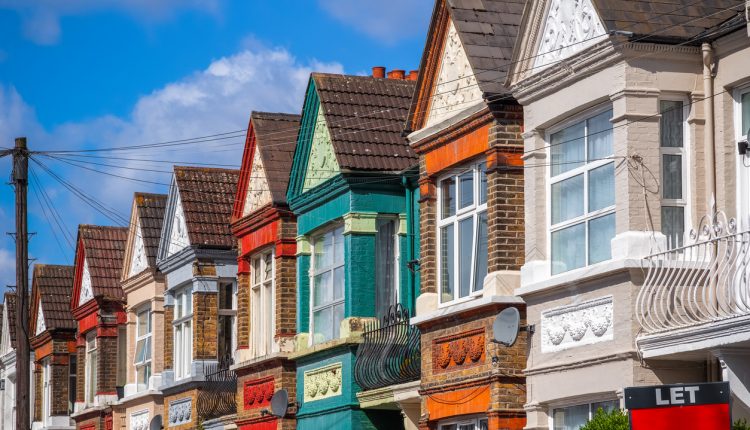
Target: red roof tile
[(54, 285), (104, 250)]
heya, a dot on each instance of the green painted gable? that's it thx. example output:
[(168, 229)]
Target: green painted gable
[(321, 161)]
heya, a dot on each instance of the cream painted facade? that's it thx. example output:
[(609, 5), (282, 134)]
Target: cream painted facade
[(589, 342)]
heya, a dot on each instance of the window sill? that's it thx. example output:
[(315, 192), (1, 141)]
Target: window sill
[(573, 277), (474, 303), (262, 359)]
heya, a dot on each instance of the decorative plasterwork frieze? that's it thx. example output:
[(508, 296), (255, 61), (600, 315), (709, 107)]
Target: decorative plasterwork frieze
[(258, 192), (180, 411), (139, 420), (178, 237), (321, 164), (40, 324), (87, 292), (459, 351), (456, 84), (570, 27), (576, 325), (322, 383), (138, 261), (258, 393)]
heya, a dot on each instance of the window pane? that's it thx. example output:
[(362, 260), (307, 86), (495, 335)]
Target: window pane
[(602, 187), (338, 316), (566, 147), (482, 424), (447, 272), (568, 248), (745, 113), (567, 199), (480, 268), (448, 197), (571, 418), (323, 325), (188, 304), (466, 189), (143, 323), (465, 241), (322, 289), (601, 232), (607, 406), (268, 266), (338, 283), (226, 291), (673, 225), (672, 173), (482, 183), (670, 124), (256, 271), (600, 136), (178, 306), (338, 251), (140, 351), (385, 271), (323, 251)]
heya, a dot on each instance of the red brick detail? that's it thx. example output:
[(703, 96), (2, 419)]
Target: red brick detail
[(474, 400), (264, 425), (459, 351), (263, 236), (88, 322), (258, 393), (458, 150)]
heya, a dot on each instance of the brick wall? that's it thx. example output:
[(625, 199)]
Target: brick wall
[(37, 412), (286, 296), (106, 377), (427, 231), (505, 219), (168, 338), (283, 374), (81, 372), (243, 310), (205, 328), (60, 382)]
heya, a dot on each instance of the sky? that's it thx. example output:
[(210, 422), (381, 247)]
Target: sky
[(87, 74)]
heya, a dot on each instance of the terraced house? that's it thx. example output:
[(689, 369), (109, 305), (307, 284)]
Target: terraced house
[(8, 363), (53, 341), (348, 194), (266, 232), (97, 304), (143, 286), (198, 256), (636, 223)]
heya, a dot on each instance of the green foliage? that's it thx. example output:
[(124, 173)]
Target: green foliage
[(612, 420), (741, 425)]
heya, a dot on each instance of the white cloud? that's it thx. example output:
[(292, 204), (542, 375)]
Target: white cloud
[(41, 18), (385, 20)]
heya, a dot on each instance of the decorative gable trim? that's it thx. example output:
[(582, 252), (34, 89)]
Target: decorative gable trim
[(40, 324), (138, 257), (321, 159), (258, 192), (304, 142), (174, 233), (87, 289)]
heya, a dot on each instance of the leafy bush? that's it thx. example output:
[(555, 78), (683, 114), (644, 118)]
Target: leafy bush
[(612, 420), (741, 425)]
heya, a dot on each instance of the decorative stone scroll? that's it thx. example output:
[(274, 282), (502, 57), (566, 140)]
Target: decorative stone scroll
[(258, 393), (180, 411), (459, 351), (570, 27), (139, 420), (579, 324), (322, 383)]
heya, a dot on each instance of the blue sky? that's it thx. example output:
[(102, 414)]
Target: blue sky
[(86, 74)]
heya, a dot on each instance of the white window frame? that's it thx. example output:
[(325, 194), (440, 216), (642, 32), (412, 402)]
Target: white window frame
[(182, 326), (396, 255), (743, 172), (147, 339), (463, 421), (92, 355), (684, 152), (471, 211), (230, 313), (589, 402), (581, 170), (263, 299), (313, 273)]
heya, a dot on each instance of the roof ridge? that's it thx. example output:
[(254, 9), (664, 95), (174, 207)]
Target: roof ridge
[(206, 169)]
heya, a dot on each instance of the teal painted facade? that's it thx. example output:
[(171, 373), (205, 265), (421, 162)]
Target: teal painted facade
[(318, 209)]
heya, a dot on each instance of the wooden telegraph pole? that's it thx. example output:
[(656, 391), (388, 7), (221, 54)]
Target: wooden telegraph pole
[(21, 184)]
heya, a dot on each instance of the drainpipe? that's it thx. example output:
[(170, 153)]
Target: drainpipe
[(409, 242), (709, 138)]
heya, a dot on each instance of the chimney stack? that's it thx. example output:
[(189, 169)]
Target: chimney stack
[(413, 75), (396, 74), (378, 72)]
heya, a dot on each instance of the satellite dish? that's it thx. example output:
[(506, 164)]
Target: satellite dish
[(506, 325), (155, 423), (280, 403)]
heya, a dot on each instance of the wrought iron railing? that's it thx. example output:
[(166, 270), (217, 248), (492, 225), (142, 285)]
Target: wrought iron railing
[(390, 351), (703, 281), (217, 397)]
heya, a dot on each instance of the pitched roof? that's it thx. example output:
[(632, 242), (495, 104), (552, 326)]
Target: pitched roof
[(667, 21), (207, 196), (276, 138), (10, 307), (365, 117), (55, 286), (151, 209), (104, 250)]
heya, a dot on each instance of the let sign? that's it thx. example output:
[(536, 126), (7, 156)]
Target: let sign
[(684, 407)]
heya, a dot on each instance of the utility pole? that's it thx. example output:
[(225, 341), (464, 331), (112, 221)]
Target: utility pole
[(21, 184)]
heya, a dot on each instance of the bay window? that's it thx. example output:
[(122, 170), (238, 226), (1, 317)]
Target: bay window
[(227, 316), (92, 359), (327, 281), (574, 417), (183, 332), (462, 232), (386, 265), (478, 423), (262, 290), (143, 348), (674, 170), (582, 193)]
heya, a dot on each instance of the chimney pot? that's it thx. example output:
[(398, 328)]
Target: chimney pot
[(396, 74), (413, 75), (378, 72)]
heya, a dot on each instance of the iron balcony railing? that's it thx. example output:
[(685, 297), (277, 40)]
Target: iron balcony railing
[(218, 395), (703, 281), (390, 351)]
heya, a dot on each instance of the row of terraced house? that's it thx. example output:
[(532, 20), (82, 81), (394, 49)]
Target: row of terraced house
[(583, 162)]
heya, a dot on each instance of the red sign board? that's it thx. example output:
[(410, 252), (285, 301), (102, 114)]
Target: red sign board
[(684, 407)]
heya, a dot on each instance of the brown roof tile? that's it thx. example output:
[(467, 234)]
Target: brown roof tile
[(207, 196), (104, 249), (151, 209), (365, 118), (10, 306), (55, 287), (276, 138)]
